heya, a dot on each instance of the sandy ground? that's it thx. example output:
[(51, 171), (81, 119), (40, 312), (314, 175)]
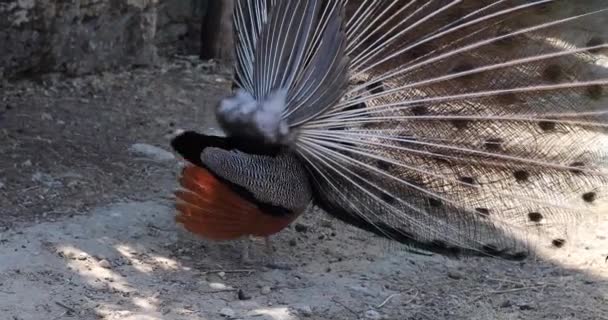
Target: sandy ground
[(87, 231)]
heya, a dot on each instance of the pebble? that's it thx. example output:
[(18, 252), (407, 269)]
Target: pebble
[(506, 304), (222, 274), (152, 152), (525, 307), (242, 295), (373, 315), (303, 310), (299, 227), (227, 312), (218, 286), (105, 264), (456, 275), (45, 179), (266, 290)]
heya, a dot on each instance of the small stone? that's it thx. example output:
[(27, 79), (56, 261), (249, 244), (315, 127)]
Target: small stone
[(292, 242), (218, 286), (222, 274), (301, 228), (266, 290), (27, 163), (525, 307), (105, 264), (227, 313), (303, 310), (2, 185), (45, 179), (152, 152), (506, 304), (373, 315), (327, 224), (456, 275), (242, 295)]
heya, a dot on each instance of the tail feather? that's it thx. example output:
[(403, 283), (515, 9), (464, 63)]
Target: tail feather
[(291, 65), (467, 126)]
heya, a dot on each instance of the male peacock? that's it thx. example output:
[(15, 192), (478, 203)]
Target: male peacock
[(453, 126)]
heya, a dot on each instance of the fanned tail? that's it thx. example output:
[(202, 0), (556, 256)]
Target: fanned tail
[(476, 127)]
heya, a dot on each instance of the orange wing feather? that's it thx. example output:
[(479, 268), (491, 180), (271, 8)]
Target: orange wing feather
[(209, 208)]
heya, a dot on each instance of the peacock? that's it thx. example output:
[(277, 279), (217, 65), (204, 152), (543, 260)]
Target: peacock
[(450, 126)]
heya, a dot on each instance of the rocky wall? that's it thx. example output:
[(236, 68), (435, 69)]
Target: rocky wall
[(83, 36)]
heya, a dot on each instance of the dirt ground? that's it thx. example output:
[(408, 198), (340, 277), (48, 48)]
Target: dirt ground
[(87, 231)]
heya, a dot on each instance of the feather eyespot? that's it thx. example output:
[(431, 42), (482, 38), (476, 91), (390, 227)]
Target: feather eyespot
[(595, 92), (508, 98), (420, 110), (419, 51), (467, 180), (460, 123), (376, 87), (535, 216), (553, 73), (558, 243), (547, 125), (435, 203), (383, 165), (574, 167), (484, 212), (593, 42), (521, 175), (507, 41), (493, 144), (464, 67), (589, 197), (389, 199)]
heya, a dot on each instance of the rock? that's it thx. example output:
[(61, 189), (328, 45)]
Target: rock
[(76, 38), (242, 295), (227, 313), (300, 227), (105, 264), (372, 314), (455, 274), (218, 286), (2, 185), (525, 307), (303, 310), (265, 290), (45, 179), (506, 304), (152, 152), (222, 274)]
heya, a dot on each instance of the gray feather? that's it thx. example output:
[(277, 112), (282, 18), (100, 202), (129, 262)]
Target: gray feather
[(293, 66), (277, 180)]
